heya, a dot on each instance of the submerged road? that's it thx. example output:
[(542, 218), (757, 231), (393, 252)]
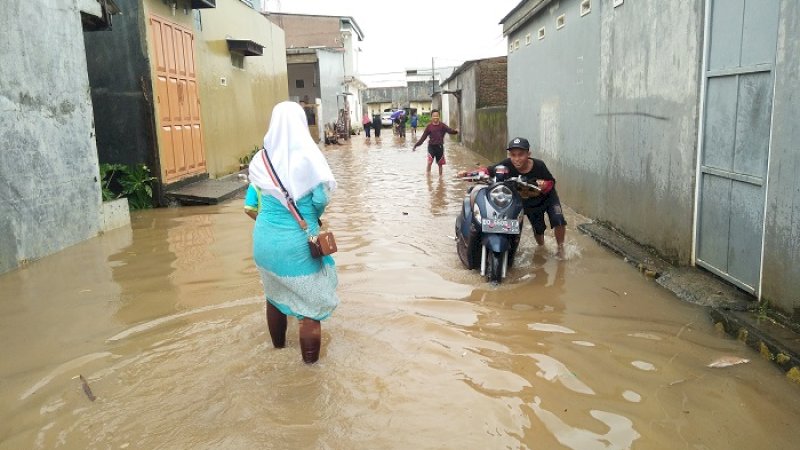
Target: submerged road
[(165, 322)]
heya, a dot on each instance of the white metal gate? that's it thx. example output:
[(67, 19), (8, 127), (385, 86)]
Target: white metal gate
[(740, 39)]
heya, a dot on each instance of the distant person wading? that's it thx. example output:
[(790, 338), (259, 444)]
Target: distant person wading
[(436, 131)]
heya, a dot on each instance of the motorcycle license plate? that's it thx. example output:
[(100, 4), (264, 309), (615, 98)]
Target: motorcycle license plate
[(503, 226)]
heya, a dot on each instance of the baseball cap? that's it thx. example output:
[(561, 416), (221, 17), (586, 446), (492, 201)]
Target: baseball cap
[(518, 142)]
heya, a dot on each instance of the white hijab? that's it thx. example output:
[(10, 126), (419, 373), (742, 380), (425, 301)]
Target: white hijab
[(297, 160)]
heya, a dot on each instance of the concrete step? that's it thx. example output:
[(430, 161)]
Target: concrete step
[(208, 191)]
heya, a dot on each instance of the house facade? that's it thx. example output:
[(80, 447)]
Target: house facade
[(316, 76), (185, 87), (475, 95), (49, 190), (674, 122), (322, 58), (414, 95)]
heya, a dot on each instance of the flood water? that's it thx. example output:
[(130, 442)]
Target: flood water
[(165, 322)]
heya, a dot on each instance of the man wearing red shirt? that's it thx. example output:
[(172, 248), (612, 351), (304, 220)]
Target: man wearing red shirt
[(436, 130)]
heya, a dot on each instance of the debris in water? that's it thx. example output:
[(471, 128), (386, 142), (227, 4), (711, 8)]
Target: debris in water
[(405, 213), (86, 389), (612, 291), (726, 361)]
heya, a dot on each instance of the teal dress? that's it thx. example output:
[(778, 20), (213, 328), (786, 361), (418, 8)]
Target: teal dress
[(295, 282), (252, 200)]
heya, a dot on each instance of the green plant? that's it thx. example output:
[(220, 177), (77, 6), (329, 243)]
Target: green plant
[(136, 184), (423, 120), (133, 182), (245, 160), (108, 174)]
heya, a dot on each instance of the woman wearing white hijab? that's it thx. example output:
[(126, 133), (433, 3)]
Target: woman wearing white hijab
[(295, 283)]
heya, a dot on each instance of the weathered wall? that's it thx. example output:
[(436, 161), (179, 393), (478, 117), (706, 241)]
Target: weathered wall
[(119, 74), (468, 124), (308, 73), (612, 108), (235, 117), (462, 110), (419, 91), (422, 107), (480, 113), (415, 92), (491, 138), (49, 194), (781, 271), (394, 96), (331, 68)]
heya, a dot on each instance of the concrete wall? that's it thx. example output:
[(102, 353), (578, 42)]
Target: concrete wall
[(331, 76), (422, 107), (612, 107), (49, 194), (491, 136), (480, 114), (235, 116), (399, 96), (308, 73), (393, 96), (781, 270)]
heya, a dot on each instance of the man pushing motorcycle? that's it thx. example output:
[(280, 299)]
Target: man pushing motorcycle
[(536, 203)]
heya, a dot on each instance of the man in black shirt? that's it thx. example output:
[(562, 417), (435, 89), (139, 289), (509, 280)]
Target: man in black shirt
[(536, 204)]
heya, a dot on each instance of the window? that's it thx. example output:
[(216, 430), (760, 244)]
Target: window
[(618, 2), (516, 44), (541, 33), (299, 84), (511, 48), (237, 60), (528, 39), (586, 7), (560, 22)]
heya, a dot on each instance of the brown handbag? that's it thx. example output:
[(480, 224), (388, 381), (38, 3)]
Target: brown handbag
[(320, 245)]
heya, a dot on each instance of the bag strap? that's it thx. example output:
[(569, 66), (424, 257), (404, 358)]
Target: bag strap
[(289, 200)]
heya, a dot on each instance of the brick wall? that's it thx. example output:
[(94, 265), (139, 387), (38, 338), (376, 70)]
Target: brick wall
[(297, 29), (492, 78)]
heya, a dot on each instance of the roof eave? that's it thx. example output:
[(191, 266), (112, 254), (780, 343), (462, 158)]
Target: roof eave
[(521, 14)]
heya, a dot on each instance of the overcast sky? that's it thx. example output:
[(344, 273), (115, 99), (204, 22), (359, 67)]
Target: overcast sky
[(400, 35)]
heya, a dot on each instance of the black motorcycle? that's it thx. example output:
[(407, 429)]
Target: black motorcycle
[(490, 222)]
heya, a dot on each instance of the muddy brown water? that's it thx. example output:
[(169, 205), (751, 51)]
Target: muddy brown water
[(165, 323)]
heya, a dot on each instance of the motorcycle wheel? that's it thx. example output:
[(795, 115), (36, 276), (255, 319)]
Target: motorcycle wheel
[(494, 266)]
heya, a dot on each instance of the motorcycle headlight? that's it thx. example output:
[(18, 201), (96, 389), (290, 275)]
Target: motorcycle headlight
[(476, 211), (500, 195)]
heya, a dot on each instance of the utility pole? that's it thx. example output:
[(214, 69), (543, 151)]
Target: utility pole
[(433, 78)]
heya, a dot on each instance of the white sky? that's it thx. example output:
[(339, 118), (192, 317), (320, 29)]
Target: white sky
[(405, 34)]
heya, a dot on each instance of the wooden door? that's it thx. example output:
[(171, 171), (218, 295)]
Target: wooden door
[(181, 135)]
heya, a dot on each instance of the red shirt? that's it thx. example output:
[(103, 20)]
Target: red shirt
[(436, 132)]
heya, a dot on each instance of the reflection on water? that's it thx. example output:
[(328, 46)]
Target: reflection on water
[(165, 322)]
